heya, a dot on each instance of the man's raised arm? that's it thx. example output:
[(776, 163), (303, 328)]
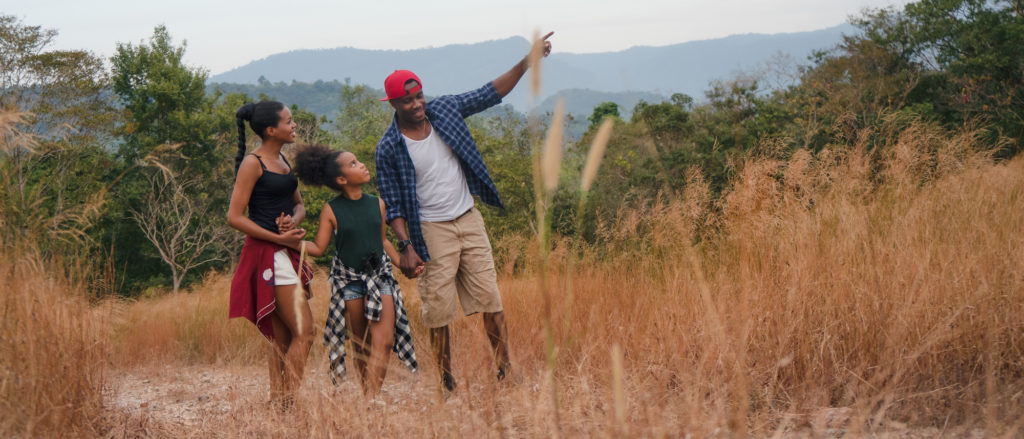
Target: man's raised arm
[(508, 80)]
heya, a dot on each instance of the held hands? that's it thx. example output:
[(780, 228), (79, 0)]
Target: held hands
[(288, 235), (285, 223), (419, 269), (292, 238), (410, 263)]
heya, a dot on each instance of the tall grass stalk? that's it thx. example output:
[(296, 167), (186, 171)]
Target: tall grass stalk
[(52, 351), (535, 56), (618, 389), (52, 344), (546, 182)]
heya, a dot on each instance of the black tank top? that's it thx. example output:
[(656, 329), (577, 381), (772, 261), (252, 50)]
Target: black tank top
[(272, 195)]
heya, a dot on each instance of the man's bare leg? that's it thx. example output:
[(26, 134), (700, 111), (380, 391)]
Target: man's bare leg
[(497, 333), (440, 340)]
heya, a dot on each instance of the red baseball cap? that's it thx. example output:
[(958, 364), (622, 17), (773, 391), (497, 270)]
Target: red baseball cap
[(394, 85)]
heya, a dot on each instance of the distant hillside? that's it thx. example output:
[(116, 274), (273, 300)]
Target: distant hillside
[(323, 98), (679, 68), (581, 103)]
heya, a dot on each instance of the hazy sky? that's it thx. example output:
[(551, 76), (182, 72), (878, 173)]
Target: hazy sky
[(222, 35)]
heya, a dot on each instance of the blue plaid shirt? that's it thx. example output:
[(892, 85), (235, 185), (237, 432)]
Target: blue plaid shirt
[(396, 177)]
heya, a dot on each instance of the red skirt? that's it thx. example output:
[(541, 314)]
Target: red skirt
[(252, 288)]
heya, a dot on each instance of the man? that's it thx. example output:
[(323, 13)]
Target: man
[(428, 169)]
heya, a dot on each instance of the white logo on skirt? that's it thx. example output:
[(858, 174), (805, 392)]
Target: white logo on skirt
[(268, 273)]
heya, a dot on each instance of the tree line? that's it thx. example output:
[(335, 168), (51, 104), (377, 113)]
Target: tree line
[(124, 173)]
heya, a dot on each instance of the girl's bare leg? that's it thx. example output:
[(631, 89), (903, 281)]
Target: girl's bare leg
[(382, 339), (293, 311), (275, 358), (356, 322)]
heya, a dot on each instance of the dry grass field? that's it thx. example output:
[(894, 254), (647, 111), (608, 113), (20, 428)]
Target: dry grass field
[(829, 294)]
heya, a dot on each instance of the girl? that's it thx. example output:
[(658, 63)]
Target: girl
[(264, 289), (364, 293)]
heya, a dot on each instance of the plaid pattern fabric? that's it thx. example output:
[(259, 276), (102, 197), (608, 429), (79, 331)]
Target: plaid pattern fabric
[(396, 177), (335, 332)]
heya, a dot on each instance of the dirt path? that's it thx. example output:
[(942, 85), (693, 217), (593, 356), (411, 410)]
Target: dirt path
[(189, 396), (183, 396), (230, 401)]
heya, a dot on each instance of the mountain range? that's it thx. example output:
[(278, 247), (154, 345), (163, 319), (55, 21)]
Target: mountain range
[(624, 77)]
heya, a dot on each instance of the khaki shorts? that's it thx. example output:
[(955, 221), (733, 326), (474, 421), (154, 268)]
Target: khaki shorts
[(460, 266)]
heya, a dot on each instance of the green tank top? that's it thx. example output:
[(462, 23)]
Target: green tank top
[(358, 233)]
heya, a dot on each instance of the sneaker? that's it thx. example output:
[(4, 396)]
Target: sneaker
[(447, 384), (286, 404), (503, 371), (506, 376)]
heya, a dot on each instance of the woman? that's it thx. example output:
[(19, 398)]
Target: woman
[(265, 288)]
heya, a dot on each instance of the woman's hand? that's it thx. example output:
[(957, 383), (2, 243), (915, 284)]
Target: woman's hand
[(285, 223), (291, 238)]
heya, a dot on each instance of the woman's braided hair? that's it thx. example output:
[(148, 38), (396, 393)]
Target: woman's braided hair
[(261, 115)]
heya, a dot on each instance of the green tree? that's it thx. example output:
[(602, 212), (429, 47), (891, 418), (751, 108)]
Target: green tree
[(165, 101), (166, 107), (52, 182), (504, 142), (603, 110), (362, 117), (972, 54)]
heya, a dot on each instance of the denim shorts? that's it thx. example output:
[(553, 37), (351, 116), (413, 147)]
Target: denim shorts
[(357, 290)]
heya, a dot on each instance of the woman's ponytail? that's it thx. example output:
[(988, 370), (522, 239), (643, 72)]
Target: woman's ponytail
[(243, 114), (261, 115)]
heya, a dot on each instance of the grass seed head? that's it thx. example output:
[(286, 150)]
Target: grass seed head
[(536, 53), (552, 159), (596, 154)]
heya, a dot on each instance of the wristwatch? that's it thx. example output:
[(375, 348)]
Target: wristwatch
[(403, 244)]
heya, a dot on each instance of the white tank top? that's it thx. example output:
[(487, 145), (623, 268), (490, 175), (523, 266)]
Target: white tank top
[(440, 184)]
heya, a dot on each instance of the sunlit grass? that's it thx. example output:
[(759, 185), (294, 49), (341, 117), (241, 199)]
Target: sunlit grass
[(817, 286)]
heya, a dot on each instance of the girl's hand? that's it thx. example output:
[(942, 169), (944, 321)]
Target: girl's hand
[(410, 263), (285, 223), (291, 238), (417, 271)]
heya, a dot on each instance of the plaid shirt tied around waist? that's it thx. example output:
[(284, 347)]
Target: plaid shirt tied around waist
[(335, 332), (396, 176)]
